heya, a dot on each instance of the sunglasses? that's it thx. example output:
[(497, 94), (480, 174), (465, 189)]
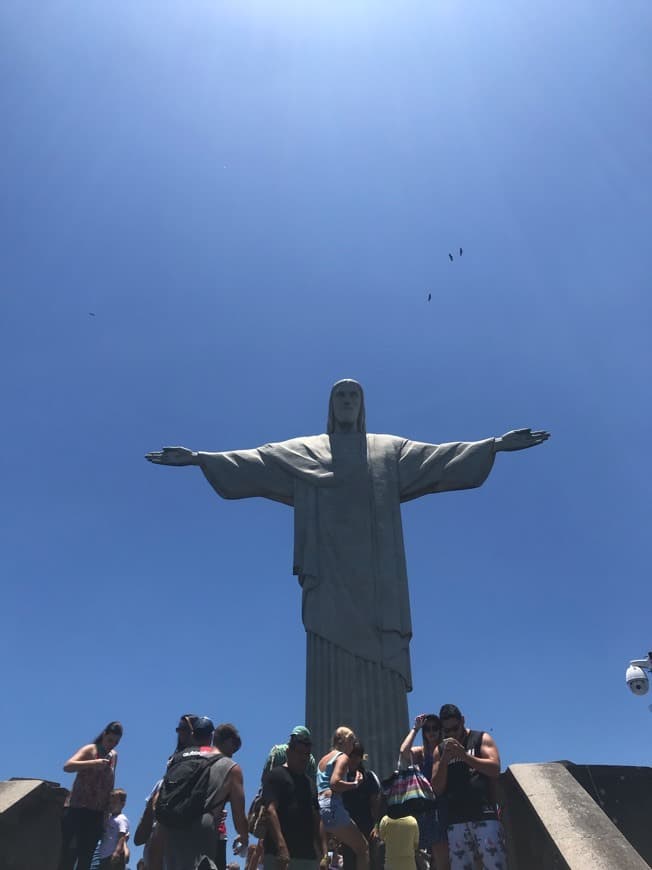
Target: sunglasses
[(431, 728), (186, 726)]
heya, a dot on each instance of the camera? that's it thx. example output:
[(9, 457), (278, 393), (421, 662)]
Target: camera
[(637, 679)]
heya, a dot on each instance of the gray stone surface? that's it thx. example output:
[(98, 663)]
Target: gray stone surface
[(624, 792), (30, 824), (552, 822), (346, 488)]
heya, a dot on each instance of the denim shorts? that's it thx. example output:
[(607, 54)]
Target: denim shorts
[(333, 812)]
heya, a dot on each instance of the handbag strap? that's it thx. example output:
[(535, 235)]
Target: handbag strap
[(402, 765)]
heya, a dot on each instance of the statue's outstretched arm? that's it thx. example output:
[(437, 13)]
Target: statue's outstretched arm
[(173, 456), (520, 439), (236, 473)]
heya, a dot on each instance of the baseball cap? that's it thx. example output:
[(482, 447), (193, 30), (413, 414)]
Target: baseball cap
[(301, 733), (203, 725)]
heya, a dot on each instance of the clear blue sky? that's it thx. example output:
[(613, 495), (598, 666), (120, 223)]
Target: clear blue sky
[(254, 198)]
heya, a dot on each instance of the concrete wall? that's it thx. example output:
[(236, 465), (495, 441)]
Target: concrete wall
[(556, 816), (30, 824), (625, 795), (553, 823)]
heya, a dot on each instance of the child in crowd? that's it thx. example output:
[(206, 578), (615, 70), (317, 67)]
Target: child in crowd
[(113, 852), (401, 838)]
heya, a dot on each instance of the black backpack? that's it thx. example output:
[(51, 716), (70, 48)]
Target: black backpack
[(182, 796)]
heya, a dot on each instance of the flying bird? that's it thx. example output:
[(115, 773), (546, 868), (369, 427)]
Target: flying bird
[(461, 252), (91, 314), (450, 256), (429, 296)]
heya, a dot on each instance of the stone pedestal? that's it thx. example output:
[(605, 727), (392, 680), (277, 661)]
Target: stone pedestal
[(342, 689), (553, 822), (30, 824)]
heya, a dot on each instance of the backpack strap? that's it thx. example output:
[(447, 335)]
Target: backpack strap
[(374, 776)]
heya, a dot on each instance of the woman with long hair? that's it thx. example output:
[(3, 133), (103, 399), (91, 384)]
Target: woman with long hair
[(88, 802), (332, 783), (433, 823)]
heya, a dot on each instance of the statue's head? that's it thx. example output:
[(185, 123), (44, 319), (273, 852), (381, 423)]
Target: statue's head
[(346, 407)]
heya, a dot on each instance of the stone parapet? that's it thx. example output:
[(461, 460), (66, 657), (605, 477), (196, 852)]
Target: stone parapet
[(553, 823), (30, 824)]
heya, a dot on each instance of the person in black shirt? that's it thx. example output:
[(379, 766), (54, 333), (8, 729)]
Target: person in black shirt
[(466, 765), (295, 837), (363, 806)]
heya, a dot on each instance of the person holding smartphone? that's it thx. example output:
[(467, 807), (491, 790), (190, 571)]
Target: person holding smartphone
[(88, 802)]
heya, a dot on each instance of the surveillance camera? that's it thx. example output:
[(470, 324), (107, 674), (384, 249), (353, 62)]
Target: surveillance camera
[(637, 680)]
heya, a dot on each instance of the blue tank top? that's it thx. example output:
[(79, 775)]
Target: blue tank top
[(324, 776)]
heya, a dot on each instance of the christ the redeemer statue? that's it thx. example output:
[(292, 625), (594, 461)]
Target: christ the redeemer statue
[(346, 488)]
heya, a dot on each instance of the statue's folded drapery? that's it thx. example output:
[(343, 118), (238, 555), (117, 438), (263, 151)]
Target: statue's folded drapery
[(346, 490)]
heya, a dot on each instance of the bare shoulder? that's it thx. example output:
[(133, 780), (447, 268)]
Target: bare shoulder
[(234, 777), (88, 751), (324, 760), (488, 743)]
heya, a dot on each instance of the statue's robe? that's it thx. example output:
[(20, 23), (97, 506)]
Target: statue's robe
[(346, 490)]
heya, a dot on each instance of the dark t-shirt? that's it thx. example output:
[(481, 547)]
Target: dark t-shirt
[(468, 792), (358, 801), (295, 797)]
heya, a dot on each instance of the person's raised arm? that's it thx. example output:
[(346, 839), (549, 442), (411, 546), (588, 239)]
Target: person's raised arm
[(406, 750), (84, 759), (339, 782)]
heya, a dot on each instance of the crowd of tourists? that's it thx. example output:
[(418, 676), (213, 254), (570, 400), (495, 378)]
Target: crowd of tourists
[(437, 811)]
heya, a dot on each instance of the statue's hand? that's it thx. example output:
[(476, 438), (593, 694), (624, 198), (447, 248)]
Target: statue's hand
[(173, 456), (521, 439)]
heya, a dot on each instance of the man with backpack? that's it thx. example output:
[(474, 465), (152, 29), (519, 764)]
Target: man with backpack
[(148, 833), (198, 782), (466, 765)]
